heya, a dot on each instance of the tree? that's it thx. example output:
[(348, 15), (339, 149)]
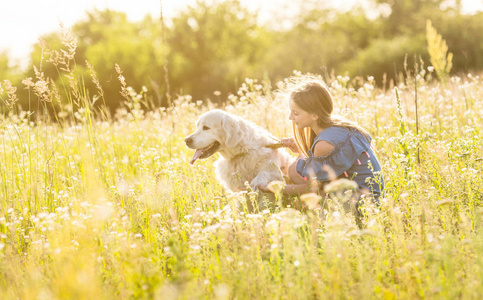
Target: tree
[(407, 15), (384, 57), (4, 67), (213, 47), (104, 39), (464, 36), (321, 41), (108, 38)]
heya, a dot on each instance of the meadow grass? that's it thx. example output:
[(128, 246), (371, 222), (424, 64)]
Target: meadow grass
[(109, 208)]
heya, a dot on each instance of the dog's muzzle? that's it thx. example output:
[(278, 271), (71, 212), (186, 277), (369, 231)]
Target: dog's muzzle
[(189, 142)]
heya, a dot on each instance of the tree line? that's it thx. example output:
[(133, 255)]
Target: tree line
[(208, 49)]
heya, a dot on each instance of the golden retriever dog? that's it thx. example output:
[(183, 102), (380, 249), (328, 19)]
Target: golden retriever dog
[(245, 156)]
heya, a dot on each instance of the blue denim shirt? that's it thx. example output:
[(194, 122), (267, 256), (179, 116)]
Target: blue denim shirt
[(351, 158)]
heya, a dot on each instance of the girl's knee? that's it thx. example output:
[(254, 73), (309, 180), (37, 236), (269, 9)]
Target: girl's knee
[(294, 176)]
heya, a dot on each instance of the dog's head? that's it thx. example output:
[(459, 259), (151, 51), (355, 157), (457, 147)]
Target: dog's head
[(215, 130)]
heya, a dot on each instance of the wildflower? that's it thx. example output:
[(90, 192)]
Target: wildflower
[(272, 225), (123, 188), (275, 186), (357, 232), (221, 291), (195, 247), (340, 185), (311, 200)]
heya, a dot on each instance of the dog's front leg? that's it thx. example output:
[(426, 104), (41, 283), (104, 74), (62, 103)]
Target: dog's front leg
[(264, 178)]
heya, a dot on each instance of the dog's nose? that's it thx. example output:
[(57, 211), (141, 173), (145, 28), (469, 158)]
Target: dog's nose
[(188, 140)]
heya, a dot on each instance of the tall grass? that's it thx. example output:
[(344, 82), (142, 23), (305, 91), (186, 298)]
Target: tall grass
[(102, 207)]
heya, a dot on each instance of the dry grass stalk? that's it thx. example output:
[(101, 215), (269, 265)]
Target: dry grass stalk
[(11, 93)]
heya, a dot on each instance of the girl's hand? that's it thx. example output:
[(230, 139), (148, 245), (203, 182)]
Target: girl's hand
[(290, 144)]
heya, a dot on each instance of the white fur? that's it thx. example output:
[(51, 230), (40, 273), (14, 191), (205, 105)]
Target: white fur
[(244, 156)]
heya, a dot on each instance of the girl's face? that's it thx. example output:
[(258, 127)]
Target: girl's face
[(301, 117)]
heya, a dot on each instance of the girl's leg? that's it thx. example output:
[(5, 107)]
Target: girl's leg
[(294, 176)]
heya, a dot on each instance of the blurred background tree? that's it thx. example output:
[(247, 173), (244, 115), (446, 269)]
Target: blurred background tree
[(320, 41), (406, 16), (4, 66), (214, 45), (104, 39), (107, 38)]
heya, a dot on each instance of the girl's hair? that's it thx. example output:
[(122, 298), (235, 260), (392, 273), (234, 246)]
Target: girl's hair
[(312, 95)]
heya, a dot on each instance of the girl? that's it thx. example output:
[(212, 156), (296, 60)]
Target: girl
[(330, 147)]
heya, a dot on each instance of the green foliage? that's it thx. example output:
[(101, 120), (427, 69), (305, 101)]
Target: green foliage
[(215, 43), (320, 41), (409, 16), (212, 46), (464, 36), (384, 57), (108, 38), (7, 70), (4, 67)]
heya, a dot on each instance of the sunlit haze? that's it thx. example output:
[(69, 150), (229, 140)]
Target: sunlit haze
[(24, 21)]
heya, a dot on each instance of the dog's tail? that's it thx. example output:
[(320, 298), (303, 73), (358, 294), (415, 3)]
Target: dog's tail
[(274, 146)]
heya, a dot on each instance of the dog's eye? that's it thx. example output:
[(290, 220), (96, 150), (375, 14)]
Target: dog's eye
[(206, 128)]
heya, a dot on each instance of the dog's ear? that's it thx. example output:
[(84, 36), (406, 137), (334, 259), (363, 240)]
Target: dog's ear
[(233, 134)]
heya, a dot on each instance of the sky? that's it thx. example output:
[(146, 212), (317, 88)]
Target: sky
[(22, 22)]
